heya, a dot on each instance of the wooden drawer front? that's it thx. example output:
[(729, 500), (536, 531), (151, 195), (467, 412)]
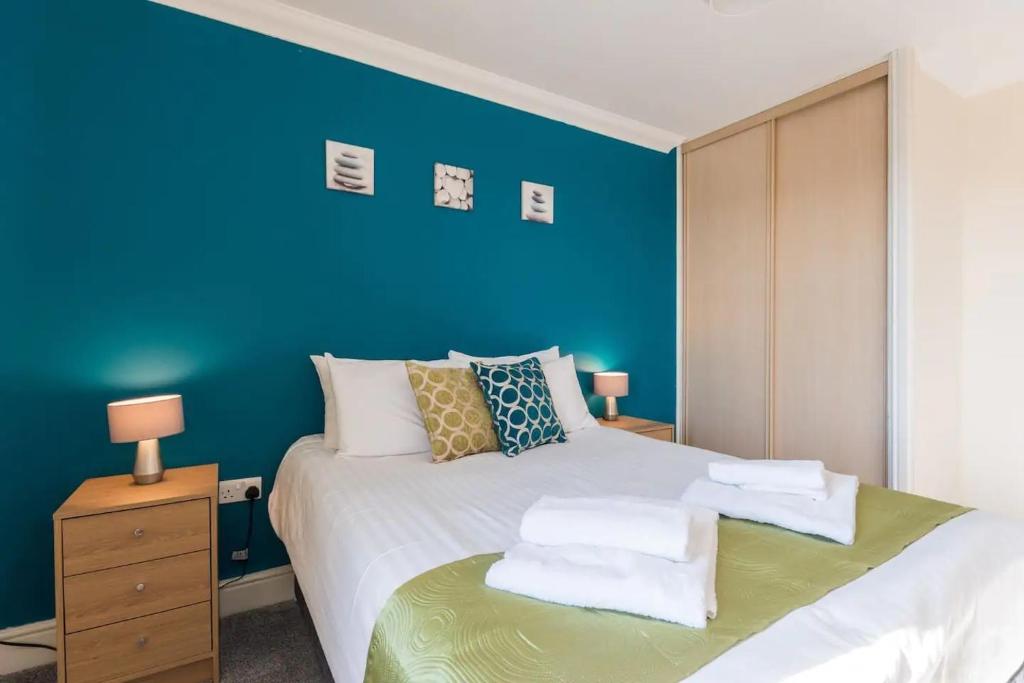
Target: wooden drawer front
[(135, 590), (196, 672), (663, 434), (137, 645), (113, 539)]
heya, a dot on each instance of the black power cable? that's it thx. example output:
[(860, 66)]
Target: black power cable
[(39, 646), (251, 494)]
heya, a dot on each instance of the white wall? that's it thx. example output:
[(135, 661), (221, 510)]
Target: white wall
[(935, 153), (966, 197), (993, 302)]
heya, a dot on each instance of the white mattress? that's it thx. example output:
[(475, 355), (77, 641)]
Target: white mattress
[(949, 608)]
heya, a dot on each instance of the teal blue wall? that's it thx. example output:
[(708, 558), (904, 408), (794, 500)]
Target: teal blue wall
[(164, 227)]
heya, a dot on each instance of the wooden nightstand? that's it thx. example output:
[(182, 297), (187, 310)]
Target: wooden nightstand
[(662, 431), (136, 580)]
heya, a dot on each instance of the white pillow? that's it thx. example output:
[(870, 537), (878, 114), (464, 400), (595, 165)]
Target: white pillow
[(545, 356), (567, 395), (323, 371), (376, 408)]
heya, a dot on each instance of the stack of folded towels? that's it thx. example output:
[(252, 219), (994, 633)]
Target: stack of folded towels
[(646, 556), (800, 495)]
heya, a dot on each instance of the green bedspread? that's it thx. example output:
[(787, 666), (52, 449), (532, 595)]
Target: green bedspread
[(446, 625)]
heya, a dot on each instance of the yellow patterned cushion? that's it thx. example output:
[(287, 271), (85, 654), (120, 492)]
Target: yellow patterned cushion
[(457, 417)]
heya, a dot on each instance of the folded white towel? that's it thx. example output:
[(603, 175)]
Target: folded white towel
[(645, 525), (804, 474), (815, 493), (622, 580), (835, 517)]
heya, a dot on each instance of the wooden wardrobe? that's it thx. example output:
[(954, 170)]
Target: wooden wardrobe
[(784, 281)]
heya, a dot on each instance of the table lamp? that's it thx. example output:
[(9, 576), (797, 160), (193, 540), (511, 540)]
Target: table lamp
[(145, 420), (611, 385)]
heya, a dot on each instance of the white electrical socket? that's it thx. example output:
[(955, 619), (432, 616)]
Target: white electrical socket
[(233, 490)]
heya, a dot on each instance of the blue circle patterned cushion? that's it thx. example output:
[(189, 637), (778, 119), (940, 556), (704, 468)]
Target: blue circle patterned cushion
[(521, 407)]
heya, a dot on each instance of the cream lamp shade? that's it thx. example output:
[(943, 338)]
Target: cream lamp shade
[(138, 419), (611, 385), (146, 420)]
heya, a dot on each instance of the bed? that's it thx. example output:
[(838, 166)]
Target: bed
[(947, 608)]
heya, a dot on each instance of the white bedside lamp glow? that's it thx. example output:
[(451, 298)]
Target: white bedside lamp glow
[(611, 385), (146, 420)]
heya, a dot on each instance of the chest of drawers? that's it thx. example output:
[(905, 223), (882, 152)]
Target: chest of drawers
[(136, 580)]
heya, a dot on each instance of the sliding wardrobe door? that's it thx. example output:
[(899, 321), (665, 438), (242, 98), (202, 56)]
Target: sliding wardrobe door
[(726, 204), (830, 283)]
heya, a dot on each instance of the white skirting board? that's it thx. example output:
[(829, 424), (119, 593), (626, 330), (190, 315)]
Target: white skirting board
[(17, 658), (258, 589)]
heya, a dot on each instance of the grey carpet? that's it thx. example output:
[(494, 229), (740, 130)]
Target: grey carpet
[(267, 645)]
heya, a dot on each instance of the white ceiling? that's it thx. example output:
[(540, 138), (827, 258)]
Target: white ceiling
[(675, 64), (653, 72)]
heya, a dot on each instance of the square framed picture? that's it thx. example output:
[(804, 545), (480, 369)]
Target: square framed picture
[(538, 203), (349, 168), (453, 187)]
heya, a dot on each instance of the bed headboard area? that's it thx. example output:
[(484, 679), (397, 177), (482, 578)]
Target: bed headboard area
[(169, 231)]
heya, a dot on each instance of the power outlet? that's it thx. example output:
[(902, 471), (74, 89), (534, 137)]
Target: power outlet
[(240, 555), (233, 490)]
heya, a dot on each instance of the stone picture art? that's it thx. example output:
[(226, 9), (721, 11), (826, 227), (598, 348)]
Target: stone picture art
[(453, 187), (349, 168), (538, 203)]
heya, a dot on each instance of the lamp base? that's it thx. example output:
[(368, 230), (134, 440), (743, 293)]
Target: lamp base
[(149, 468), (611, 408)]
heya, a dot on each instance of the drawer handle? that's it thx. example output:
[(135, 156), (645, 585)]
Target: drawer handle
[(141, 642), (139, 587), (138, 533)]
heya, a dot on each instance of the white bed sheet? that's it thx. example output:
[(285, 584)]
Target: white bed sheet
[(949, 608)]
